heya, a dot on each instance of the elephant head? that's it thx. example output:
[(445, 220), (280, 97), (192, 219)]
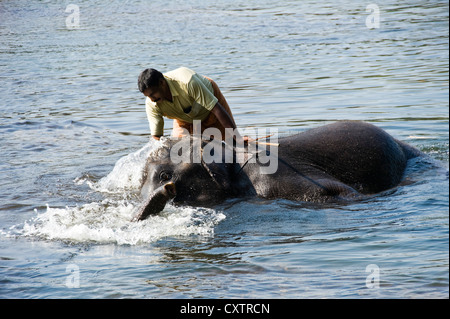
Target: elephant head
[(192, 172)]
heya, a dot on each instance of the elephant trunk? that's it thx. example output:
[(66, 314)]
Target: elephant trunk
[(156, 201)]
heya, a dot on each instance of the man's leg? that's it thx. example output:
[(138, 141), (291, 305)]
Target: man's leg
[(179, 128), (221, 99), (210, 121)]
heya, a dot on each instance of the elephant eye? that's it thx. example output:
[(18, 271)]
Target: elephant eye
[(165, 176)]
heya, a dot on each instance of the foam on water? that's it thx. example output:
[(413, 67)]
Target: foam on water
[(108, 221), (128, 171)]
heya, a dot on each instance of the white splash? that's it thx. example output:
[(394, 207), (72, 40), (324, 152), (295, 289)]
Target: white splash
[(128, 171), (108, 221)]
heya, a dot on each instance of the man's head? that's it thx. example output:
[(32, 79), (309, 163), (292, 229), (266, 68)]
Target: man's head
[(152, 84)]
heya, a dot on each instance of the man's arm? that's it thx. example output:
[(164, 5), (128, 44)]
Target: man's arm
[(155, 119), (226, 121), (223, 116)]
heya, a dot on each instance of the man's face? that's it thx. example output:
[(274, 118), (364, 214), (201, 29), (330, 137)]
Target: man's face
[(159, 93), (154, 93)]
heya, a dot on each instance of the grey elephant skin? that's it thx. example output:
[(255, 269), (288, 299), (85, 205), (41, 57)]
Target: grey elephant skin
[(339, 161)]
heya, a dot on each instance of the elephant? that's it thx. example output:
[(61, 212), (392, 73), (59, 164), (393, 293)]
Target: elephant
[(338, 161)]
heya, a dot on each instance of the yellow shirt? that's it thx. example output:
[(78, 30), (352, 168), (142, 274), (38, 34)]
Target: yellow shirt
[(189, 90)]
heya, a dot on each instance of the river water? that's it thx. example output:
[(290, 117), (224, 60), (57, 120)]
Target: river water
[(74, 138)]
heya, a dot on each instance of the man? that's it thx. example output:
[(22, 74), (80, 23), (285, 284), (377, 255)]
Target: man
[(184, 96)]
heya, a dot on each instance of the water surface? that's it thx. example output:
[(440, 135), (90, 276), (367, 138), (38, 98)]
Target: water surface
[(74, 138)]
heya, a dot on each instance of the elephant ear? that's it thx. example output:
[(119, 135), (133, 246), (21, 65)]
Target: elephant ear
[(215, 163)]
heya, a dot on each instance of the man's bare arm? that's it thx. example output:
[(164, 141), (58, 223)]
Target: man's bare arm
[(226, 121), (223, 117)]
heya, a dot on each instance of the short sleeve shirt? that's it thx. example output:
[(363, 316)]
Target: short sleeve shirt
[(192, 99)]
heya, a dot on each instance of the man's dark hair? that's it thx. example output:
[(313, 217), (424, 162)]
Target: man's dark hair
[(149, 78)]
